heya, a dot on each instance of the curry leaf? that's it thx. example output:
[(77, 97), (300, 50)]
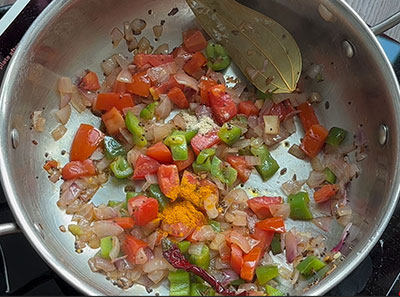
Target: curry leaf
[(264, 51)]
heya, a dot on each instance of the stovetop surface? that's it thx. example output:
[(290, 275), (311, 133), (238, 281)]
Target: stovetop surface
[(23, 272)]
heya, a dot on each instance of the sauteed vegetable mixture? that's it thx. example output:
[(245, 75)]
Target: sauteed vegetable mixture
[(183, 140)]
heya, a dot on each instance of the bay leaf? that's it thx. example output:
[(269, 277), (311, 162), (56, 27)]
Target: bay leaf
[(265, 52)]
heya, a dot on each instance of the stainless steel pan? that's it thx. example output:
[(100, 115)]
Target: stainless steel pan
[(71, 35)]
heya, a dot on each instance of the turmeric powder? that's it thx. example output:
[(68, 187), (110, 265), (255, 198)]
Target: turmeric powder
[(182, 212)]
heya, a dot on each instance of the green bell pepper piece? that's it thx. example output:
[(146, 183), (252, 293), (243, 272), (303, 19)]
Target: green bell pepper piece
[(113, 203), (215, 225), (75, 229), (203, 259), (299, 206), (237, 282), (276, 244), (177, 144), (227, 174), (268, 165), (121, 167), (205, 167), (179, 283), (105, 247), (218, 58), (113, 148), (330, 176), (133, 125), (310, 265), (204, 154), (335, 136), (229, 133), (189, 134), (266, 273), (184, 246), (271, 291), (147, 113), (201, 290), (155, 192)]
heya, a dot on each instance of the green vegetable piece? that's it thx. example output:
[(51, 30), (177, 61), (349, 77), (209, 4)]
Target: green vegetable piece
[(183, 246), (271, 291), (330, 176), (276, 244), (105, 247), (204, 154), (310, 265), (189, 135), (215, 225), (237, 282), (336, 136), (229, 133), (121, 167), (75, 229), (147, 113), (113, 148), (177, 144), (155, 192), (218, 58), (205, 167), (203, 259), (268, 165), (201, 290), (266, 273), (230, 175), (227, 174), (179, 283), (299, 206), (113, 203), (133, 125)]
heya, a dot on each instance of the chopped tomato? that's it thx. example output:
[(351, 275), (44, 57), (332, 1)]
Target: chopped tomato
[(260, 205), (77, 169), (90, 82), (205, 85), (182, 165), (247, 108), (145, 165), (180, 230), (325, 193), (182, 53), (50, 164), (239, 163), (85, 142), (154, 60), (307, 116), (265, 238), (113, 120), (201, 142), (160, 152), (143, 209), (250, 263), (194, 40), (140, 84), (190, 178), (195, 64), (168, 178), (119, 87), (272, 224), (166, 86), (283, 110), (314, 140), (124, 222), (177, 97), (236, 258), (222, 105), (206, 182), (131, 246), (106, 101)]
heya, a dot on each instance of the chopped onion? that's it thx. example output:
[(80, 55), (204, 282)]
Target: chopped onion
[(76, 100), (135, 110), (163, 49), (63, 114), (126, 135), (313, 71), (103, 164), (38, 121), (115, 248), (103, 212), (296, 151), (316, 164), (218, 240), (164, 108), (280, 210), (315, 97), (315, 179), (128, 34), (116, 36), (184, 79), (134, 154), (343, 237), (204, 233), (152, 239), (246, 288), (265, 109), (157, 30), (150, 180), (64, 99), (141, 256), (144, 45), (157, 263), (203, 111), (271, 123), (157, 276), (219, 264), (58, 132), (108, 66), (98, 263), (179, 122), (162, 73), (70, 191), (162, 131), (210, 205), (289, 125), (324, 223), (106, 228), (235, 195), (344, 210), (292, 187), (65, 85), (252, 160), (241, 241), (290, 246), (133, 44), (121, 60), (87, 97), (124, 76), (138, 25), (241, 144), (196, 248), (97, 154)]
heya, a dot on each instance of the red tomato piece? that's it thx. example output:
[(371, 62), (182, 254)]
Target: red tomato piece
[(124, 222), (145, 165), (143, 209), (195, 64), (182, 53), (154, 60), (250, 263), (247, 108), (325, 193), (260, 205), (194, 40), (307, 116), (222, 105), (272, 224), (239, 163), (140, 84), (119, 87), (85, 142), (166, 86), (168, 178), (182, 165), (177, 97), (90, 82), (283, 110), (314, 140), (106, 101), (236, 258), (131, 246), (201, 142), (113, 120), (265, 238), (160, 152), (205, 85), (77, 169)]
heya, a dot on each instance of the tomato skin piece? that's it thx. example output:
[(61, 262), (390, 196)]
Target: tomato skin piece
[(260, 205), (250, 263), (194, 40), (247, 108), (265, 238), (85, 142), (77, 169), (113, 120), (276, 224), (325, 193), (182, 165), (154, 60), (222, 105), (131, 246), (90, 82), (145, 165), (307, 115), (124, 222), (205, 85), (168, 178), (195, 64), (283, 110), (143, 209), (160, 152), (106, 101), (201, 142), (314, 140), (140, 84), (177, 97), (239, 163), (236, 260)]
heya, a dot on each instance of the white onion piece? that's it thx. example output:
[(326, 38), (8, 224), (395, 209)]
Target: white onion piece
[(313, 71), (150, 180), (218, 240), (116, 36), (127, 135), (144, 45), (121, 60), (38, 121), (235, 195), (157, 263), (141, 256), (241, 241), (65, 85), (138, 25), (316, 179), (134, 154), (59, 132), (343, 237), (64, 99), (103, 164), (151, 239), (128, 34), (108, 66), (316, 164), (184, 79), (324, 223), (289, 125), (247, 288), (76, 100), (98, 263), (115, 248), (124, 76), (344, 210), (196, 248), (69, 193), (106, 228), (210, 205), (103, 212), (162, 131), (63, 114), (280, 210), (292, 187), (163, 49), (157, 276), (252, 160), (240, 144), (179, 122), (204, 233), (162, 73), (219, 264), (132, 45), (157, 30), (296, 151), (97, 154), (164, 108), (290, 246)]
